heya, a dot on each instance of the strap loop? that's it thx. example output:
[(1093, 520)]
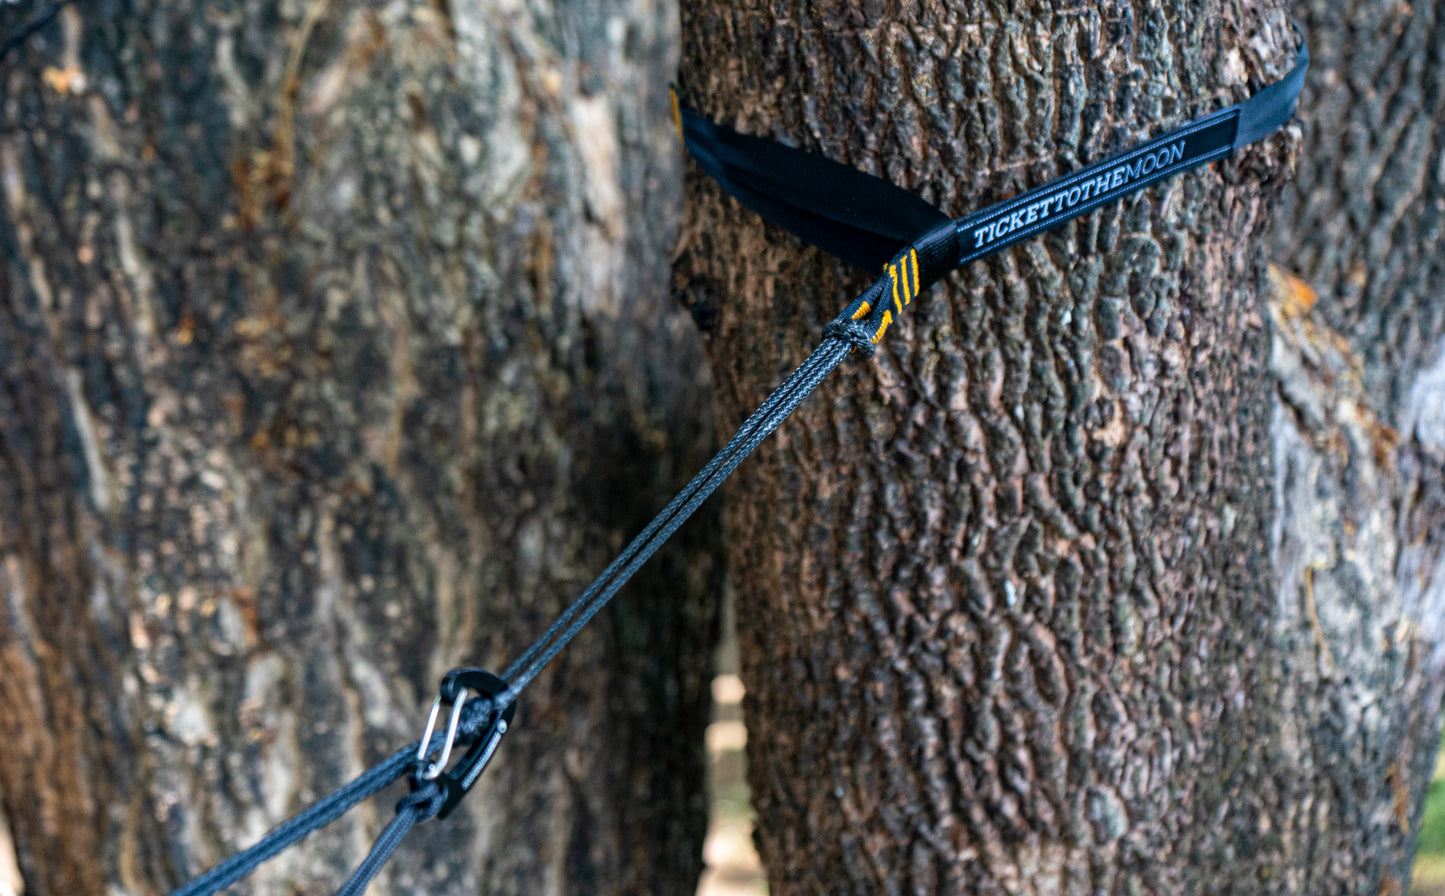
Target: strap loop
[(864, 219), (856, 216)]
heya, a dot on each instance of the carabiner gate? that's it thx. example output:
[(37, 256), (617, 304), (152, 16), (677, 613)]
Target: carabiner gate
[(455, 688)]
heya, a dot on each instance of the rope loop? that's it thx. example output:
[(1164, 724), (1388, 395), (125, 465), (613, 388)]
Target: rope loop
[(426, 800)]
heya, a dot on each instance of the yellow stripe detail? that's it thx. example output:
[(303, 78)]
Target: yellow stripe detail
[(914, 253), (676, 112), (907, 293), (893, 275), (862, 311), (887, 319)]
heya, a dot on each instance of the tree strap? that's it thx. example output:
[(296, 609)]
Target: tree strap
[(869, 222), (858, 217)]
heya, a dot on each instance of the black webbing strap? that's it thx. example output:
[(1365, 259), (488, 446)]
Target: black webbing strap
[(861, 219), (1273, 105), (864, 219), (1043, 208), (855, 216)]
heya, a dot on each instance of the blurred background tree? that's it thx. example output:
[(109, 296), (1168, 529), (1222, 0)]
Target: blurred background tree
[(336, 350)]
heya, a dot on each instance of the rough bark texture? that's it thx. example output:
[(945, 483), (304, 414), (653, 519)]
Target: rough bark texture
[(1009, 609), (336, 349)]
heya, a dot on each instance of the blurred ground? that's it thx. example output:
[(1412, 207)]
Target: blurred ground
[(1429, 877), (732, 863)]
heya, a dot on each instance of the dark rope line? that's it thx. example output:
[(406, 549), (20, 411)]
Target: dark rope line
[(523, 669), (477, 712), (828, 357), (331, 807), (758, 426), (783, 401), (293, 830), (418, 805)]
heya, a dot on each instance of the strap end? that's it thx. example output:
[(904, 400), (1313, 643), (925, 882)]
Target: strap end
[(938, 253)]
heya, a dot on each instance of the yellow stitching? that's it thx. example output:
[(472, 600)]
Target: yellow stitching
[(887, 319), (907, 293), (862, 311), (893, 275), (676, 112), (914, 253)]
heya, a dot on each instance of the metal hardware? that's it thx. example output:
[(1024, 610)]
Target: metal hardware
[(457, 686)]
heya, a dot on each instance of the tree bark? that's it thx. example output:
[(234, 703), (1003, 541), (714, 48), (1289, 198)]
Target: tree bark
[(1359, 434), (336, 349), (1362, 220), (1020, 599)]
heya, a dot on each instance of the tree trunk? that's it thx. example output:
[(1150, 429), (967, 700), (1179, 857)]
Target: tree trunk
[(337, 350), (1359, 436), (1362, 219), (1019, 599)]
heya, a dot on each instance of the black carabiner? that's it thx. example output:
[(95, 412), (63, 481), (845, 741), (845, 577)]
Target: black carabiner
[(456, 782)]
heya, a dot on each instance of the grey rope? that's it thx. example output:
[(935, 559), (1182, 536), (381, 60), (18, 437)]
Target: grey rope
[(419, 805), (476, 714), (824, 359), (293, 830)]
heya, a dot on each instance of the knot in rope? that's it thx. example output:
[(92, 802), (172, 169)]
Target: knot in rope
[(426, 800), (853, 333)]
